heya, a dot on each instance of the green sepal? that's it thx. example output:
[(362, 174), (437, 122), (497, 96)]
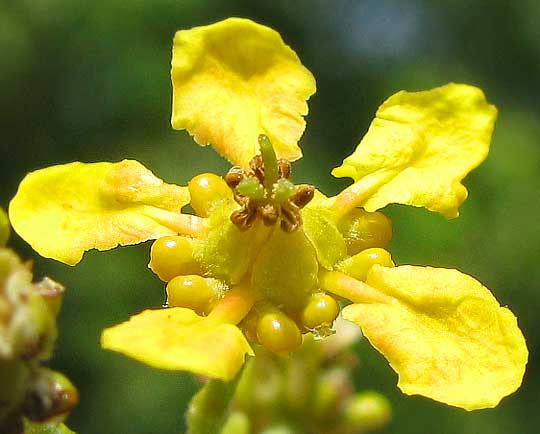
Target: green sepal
[(325, 236)]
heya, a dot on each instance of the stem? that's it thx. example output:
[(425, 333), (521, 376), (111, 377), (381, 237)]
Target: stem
[(234, 306), (209, 408), (352, 289), (270, 162)]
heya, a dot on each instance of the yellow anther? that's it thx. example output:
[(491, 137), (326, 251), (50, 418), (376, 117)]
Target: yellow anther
[(362, 230), (172, 256), (359, 265), (194, 292), (277, 332), (205, 191), (321, 310)]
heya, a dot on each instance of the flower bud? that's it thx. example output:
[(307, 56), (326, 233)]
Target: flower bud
[(51, 395), (27, 325), (366, 411)]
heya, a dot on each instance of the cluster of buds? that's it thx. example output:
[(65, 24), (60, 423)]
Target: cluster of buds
[(29, 391), (312, 389)]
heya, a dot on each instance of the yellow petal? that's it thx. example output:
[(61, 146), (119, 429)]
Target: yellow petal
[(418, 149), (444, 334), (234, 80), (178, 339), (63, 211)]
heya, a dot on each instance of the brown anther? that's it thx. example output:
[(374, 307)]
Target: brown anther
[(244, 218), (241, 200), (284, 168), (269, 213), (234, 176), (304, 194), (291, 219), (257, 166)]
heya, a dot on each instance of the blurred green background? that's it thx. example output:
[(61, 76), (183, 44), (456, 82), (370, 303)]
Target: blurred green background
[(89, 81)]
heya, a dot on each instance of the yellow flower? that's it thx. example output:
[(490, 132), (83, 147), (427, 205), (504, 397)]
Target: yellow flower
[(264, 261)]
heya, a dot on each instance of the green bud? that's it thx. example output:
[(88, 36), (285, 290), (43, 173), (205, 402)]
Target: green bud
[(52, 292), (237, 423), (50, 395), (4, 228), (331, 388), (367, 411), (27, 325), (279, 429), (14, 377)]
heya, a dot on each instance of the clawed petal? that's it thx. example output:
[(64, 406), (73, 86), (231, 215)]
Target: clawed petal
[(63, 211), (178, 339), (234, 80), (418, 149), (444, 334)]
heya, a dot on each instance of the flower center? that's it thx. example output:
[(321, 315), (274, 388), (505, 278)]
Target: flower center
[(266, 192)]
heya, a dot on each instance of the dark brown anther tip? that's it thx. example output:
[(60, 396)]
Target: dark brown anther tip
[(257, 167), (284, 168), (244, 218), (269, 213), (303, 195), (291, 218), (234, 176)]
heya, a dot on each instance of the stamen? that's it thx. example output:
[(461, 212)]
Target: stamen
[(269, 213), (284, 168), (234, 176), (304, 194), (266, 191), (292, 218), (256, 165)]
